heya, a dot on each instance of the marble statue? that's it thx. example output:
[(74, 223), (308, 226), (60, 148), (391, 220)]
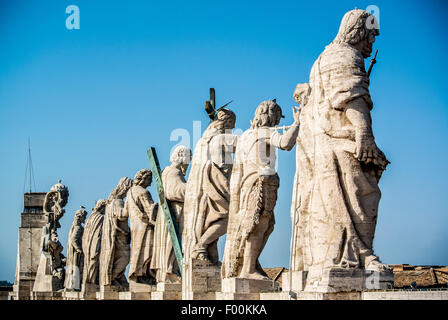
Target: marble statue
[(91, 244), (173, 179), (75, 256), (207, 194), (115, 239), (51, 273), (142, 212), (253, 191), (336, 193)]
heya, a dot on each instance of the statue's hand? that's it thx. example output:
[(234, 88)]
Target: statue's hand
[(367, 151), (366, 148), (380, 159), (296, 114)]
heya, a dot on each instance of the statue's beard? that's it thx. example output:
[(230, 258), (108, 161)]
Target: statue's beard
[(367, 50)]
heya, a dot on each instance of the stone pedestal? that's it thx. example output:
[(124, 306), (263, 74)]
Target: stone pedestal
[(336, 280), (140, 291), (298, 281), (45, 281), (277, 296), (245, 289), (108, 293), (72, 295), (167, 291), (201, 280), (47, 296), (89, 291), (128, 295)]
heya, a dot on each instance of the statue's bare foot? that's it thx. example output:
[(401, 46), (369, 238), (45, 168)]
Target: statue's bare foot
[(376, 265)]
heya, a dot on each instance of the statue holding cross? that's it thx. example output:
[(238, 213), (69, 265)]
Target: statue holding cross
[(173, 181)]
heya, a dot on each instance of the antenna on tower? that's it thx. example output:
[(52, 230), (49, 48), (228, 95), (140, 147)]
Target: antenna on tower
[(29, 170)]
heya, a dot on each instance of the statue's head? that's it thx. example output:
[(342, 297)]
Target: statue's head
[(100, 206), (225, 120), (143, 178), (181, 156), (121, 189), (302, 93), (63, 193), (358, 29), (267, 114), (80, 214)]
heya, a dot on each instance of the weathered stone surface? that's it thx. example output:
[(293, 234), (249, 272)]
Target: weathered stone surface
[(142, 212), (204, 280), (169, 287), (240, 285), (276, 296), (298, 280), (237, 296), (336, 193), (166, 295), (115, 249), (207, 197), (134, 295), (253, 192), (75, 255), (91, 247), (32, 219), (164, 261), (405, 295), (50, 273), (334, 280), (72, 295), (47, 295), (141, 287)]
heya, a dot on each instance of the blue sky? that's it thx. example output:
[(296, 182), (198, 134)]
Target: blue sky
[(93, 100)]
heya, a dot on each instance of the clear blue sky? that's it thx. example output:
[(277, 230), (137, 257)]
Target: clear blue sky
[(93, 100)]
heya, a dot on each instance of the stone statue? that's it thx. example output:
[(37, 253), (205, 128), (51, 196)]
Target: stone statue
[(50, 274), (174, 185), (253, 191), (91, 245), (142, 212), (75, 256), (115, 239), (207, 194), (336, 194)]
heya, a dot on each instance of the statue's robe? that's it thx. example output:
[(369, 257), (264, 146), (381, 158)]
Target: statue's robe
[(74, 258), (253, 193), (163, 261), (91, 247), (335, 196), (142, 216), (115, 250), (207, 194)]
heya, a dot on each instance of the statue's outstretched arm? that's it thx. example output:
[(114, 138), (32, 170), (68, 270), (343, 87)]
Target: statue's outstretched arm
[(287, 140)]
